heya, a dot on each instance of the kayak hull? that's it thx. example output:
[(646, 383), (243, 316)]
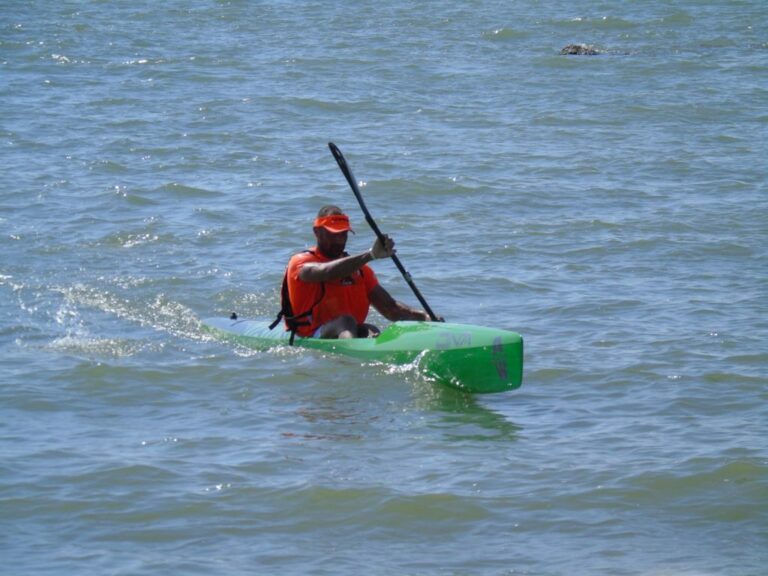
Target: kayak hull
[(471, 358)]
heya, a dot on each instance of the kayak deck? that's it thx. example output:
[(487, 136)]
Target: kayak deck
[(471, 358)]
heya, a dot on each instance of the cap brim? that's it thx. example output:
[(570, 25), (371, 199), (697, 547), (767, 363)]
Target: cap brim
[(337, 230)]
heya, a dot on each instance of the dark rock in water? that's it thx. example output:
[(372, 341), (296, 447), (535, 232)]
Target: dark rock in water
[(580, 50)]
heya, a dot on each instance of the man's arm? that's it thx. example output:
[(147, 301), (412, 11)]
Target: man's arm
[(335, 269), (343, 267), (393, 310)]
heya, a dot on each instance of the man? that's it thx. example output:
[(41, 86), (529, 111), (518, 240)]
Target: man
[(330, 292)]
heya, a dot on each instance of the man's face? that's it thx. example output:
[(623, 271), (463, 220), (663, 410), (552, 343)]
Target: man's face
[(330, 244)]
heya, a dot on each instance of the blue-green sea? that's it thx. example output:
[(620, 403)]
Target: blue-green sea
[(161, 161)]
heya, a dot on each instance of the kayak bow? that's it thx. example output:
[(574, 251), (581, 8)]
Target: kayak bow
[(471, 358)]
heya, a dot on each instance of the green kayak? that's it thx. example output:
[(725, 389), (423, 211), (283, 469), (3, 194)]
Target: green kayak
[(471, 358)]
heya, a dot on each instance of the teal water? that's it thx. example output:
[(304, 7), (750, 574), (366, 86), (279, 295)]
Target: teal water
[(163, 160)]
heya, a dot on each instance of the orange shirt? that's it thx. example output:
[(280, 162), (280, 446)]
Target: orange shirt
[(336, 297)]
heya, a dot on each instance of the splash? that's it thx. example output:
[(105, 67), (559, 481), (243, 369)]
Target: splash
[(160, 314)]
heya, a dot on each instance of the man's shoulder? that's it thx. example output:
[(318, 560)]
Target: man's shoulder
[(304, 257), (309, 255)]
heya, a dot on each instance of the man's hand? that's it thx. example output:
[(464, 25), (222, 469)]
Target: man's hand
[(383, 250), (425, 317)]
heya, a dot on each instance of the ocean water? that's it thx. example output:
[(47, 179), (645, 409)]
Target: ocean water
[(161, 162)]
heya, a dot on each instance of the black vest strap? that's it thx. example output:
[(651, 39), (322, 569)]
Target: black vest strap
[(294, 321)]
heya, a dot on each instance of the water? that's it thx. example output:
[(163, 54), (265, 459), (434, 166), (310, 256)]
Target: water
[(163, 160)]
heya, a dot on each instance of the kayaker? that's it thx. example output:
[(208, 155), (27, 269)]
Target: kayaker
[(327, 293)]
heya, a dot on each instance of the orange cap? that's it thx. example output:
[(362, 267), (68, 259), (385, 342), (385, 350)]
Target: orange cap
[(335, 223)]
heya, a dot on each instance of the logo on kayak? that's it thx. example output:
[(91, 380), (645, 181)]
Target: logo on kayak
[(447, 340), (498, 358)]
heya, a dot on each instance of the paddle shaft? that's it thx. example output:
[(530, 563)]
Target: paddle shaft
[(341, 161)]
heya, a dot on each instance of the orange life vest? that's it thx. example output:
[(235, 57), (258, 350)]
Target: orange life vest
[(308, 305)]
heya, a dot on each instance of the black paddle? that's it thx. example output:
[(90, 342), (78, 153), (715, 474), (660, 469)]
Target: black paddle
[(353, 184)]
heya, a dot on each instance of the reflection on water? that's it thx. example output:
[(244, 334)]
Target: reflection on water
[(462, 416)]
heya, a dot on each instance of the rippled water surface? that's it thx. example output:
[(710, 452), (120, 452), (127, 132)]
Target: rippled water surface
[(163, 160)]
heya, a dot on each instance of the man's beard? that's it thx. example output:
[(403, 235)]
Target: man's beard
[(333, 252)]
